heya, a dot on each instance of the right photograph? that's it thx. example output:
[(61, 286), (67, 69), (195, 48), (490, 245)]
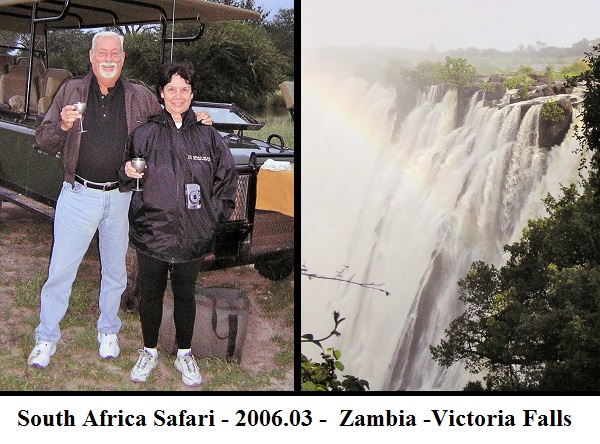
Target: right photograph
[(450, 197)]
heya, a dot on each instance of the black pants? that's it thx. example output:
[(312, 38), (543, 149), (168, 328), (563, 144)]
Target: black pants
[(153, 274)]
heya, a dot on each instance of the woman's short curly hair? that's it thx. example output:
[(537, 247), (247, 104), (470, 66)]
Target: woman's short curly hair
[(167, 70)]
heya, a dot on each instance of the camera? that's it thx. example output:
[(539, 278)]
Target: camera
[(192, 195)]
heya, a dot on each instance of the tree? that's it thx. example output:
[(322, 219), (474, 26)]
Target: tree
[(235, 62), (590, 131), (69, 49), (537, 319), (425, 73), (281, 30), (534, 324), (458, 73)]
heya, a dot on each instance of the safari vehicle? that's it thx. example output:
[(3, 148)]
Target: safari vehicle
[(32, 179)]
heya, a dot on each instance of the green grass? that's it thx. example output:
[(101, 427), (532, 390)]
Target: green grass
[(280, 124), (278, 296), (285, 357), (76, 366)]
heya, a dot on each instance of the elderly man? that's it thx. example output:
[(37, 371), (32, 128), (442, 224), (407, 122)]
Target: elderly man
[(90, 199)]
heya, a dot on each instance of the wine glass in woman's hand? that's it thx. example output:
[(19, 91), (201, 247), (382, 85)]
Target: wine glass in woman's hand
[(138, 164), (80, 108)]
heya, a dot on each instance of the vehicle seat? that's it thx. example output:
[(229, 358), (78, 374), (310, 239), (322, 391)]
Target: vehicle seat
[(49, 84), (12, 92), (51, 80), (287, 89), (22, 71), (37, 63)]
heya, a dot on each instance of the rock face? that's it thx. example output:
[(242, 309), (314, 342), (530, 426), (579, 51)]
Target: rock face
[(552, 134)]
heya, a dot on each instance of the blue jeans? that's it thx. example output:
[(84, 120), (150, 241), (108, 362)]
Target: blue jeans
[(80, 211)]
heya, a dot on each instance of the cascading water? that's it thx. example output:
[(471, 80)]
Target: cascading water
[(412, 211)]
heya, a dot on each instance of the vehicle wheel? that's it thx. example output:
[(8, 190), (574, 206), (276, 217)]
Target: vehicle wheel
[(275, 268)]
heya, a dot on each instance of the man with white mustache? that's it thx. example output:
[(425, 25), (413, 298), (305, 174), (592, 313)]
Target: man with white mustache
[(90, 199)]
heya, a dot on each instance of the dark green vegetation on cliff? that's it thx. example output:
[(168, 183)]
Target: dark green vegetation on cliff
[(524, 84), (534, 323)]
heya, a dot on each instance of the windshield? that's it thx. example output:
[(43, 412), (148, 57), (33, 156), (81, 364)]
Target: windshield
[(228, 116)]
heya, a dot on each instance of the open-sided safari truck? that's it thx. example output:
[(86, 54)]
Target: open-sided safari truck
[(257, 233)]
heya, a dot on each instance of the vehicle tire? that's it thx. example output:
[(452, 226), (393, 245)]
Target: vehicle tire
[(275, 268)]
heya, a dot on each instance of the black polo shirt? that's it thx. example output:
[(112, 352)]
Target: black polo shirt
[(103, 143)]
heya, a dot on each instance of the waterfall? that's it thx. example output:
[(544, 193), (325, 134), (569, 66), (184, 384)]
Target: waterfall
[(411, 211)]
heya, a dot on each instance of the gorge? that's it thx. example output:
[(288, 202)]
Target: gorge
[(406, 189)]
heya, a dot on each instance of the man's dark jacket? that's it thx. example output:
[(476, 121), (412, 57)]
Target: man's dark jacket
[(140, 103)]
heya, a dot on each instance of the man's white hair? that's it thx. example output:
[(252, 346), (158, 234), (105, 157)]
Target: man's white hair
[(107, 34)]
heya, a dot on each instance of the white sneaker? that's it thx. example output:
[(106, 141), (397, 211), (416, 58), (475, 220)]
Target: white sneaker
[(190, 373), (109, 345), (144, 365), (40, 355)]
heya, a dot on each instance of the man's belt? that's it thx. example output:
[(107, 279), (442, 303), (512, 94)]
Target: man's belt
[(106, 186)]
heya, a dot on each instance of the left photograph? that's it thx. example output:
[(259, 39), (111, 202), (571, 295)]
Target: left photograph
[(146, 223)]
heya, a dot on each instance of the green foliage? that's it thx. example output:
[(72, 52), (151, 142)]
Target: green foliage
[(574, 69), (488, 86), (454, 71), (524, 93), (281, 30), (517, 81), (589, 136), (322, 376), (425, 73), (534, 324), (142, 56), (458, 73), (525, 70), (551, 112), (235, 62), (70, 50)]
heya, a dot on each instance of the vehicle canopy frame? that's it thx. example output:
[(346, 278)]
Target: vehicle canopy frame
[(38, 17)]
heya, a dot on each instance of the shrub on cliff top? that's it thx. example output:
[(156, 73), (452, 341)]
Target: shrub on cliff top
[(552, 112)]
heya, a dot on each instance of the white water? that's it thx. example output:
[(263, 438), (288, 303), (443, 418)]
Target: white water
[(411, 214)]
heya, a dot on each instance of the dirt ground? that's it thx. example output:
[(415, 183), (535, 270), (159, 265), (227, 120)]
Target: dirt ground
[(25, 242)]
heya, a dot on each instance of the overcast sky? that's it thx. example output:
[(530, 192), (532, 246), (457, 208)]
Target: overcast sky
[(448, 24)]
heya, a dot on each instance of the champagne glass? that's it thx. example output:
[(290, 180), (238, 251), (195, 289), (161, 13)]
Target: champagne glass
[(80, 108), (138, 164)]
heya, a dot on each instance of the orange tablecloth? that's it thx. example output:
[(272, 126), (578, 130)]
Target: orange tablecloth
[(275, 191)]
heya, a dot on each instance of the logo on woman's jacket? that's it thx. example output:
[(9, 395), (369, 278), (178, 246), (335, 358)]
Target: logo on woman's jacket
[(203, 158)]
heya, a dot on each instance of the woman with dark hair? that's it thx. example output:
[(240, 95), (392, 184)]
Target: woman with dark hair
[(189, 188)]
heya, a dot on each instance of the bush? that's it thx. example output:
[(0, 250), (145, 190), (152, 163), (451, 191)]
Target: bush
[(458, 73), (322, 376), (574, 69), (552, 113), (518, 81), (524, 93)]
